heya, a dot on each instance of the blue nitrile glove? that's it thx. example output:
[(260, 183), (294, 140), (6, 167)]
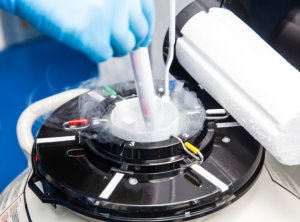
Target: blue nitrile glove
[(99, 28)]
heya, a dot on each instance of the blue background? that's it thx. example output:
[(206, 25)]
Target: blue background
[(30, 72)]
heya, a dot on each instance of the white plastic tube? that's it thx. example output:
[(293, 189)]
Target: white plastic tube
[(144, 86), (37, 109), (172, 28)]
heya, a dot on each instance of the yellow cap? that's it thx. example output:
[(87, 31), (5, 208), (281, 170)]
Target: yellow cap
[(192, 148)]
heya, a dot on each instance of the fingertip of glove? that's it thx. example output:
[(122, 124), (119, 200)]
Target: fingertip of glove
[(123, 43), (146, 42), (97, 57)]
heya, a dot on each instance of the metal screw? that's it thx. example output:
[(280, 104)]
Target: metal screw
[(131, 143), (187, 214), (185, 135), (137, 168), (160, 89), (133, 181), (226, 139)]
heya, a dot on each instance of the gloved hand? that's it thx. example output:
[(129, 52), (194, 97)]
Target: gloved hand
[(99, 28)]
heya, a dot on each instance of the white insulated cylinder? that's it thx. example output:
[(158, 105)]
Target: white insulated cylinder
[(256, 85)]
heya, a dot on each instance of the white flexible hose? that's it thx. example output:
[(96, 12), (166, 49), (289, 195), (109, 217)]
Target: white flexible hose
[(172, 36), (37, 109)]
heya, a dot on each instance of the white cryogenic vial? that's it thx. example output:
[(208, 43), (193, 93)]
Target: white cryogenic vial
[(144, 86)]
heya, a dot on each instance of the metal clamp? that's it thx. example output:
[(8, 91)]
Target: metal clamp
[(96, 122), (200, 155), (68, 127), (216, 114), (84, 125)]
